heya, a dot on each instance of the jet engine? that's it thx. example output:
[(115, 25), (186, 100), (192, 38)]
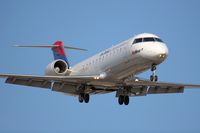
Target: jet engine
[(57, 68)]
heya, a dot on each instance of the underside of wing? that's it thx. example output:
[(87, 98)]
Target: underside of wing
[(159, 87), (70, 84), (65, 84)]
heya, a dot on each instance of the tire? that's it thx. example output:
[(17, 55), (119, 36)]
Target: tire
[(126, 100), (151, 78), (156, 78), (87, 98), (80, 99), (120, 100)]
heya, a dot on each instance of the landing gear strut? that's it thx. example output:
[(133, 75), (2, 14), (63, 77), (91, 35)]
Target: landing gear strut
[(153, 77), (84, 97)]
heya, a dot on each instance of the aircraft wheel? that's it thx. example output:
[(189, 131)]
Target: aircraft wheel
[(121, 100), (126, 100), (80, 98), (86, 98), (156, 78), (152, 78)]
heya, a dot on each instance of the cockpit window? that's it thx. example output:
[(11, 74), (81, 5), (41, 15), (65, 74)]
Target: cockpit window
[(158, 40), (147, 39), (137, 40)]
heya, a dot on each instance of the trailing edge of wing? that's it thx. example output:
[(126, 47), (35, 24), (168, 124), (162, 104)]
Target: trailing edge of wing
[(50, 78)]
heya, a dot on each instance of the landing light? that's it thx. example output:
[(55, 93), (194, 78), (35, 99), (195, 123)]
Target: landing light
[(96, 77), (162, 55), (101, 76), (136, 80)]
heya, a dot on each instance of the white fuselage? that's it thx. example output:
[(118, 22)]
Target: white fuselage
[(123, 60)]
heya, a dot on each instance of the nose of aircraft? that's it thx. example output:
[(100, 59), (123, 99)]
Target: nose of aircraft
[(157, 53)]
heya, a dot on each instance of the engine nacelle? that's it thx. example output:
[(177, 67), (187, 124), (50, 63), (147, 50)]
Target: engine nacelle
[(57, 68)]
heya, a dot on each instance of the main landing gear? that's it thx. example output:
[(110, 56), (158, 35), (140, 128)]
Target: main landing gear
[(84, 97), (123, 100), (123, 94), (153, 77)]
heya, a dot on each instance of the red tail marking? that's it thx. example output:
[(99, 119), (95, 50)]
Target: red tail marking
[(59, 49)]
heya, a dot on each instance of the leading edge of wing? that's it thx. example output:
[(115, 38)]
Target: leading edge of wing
[(50, 78), (139, 82)]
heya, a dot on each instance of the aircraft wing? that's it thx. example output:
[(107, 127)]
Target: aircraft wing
[(69, 84), (149, 87), (66, 84), (48, 78)]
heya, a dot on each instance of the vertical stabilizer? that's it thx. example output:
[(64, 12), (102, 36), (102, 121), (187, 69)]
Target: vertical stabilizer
[(58, 52)]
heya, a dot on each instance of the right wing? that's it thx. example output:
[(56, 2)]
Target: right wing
[(145, 87)]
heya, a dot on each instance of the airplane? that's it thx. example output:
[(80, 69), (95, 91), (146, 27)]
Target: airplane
[(112, 70)]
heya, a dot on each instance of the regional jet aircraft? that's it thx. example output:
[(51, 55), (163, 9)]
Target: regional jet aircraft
[(112, 70)]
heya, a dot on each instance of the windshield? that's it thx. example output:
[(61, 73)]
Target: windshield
[(147, 39)]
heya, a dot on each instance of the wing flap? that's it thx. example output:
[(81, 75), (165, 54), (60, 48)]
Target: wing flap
[(157, 90), (29, 82), (50, 78)]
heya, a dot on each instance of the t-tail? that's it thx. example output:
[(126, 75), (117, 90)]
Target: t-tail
[(57, 48), (59, 53)]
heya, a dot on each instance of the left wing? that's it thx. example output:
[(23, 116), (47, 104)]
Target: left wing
[(158, 87)]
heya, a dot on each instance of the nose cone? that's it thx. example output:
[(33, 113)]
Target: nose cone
[(157, 53)]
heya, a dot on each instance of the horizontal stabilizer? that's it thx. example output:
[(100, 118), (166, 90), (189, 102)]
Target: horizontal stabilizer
[(74, 48), (49, 46), (35, 46)]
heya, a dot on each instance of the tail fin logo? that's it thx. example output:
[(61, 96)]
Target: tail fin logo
[(59, 52)]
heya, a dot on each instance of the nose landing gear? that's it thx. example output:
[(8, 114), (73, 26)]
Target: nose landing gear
[(153, 77)]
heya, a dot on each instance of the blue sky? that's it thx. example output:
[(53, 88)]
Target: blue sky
[(97, 25)]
